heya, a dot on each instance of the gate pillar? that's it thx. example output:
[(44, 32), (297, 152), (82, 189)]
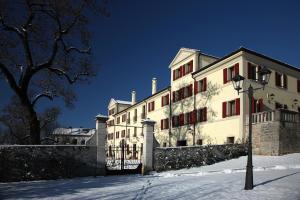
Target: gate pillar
[(100, 142), (148, 130)]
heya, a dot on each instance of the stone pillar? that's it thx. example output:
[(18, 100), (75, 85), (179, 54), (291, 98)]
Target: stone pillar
[(148, 130), (101, 132)]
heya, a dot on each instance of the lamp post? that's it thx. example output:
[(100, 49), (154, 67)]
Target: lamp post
[(237, 81)]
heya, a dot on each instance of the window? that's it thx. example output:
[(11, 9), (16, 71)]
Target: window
[(128, 133), (280, 80), (298, 85), (123, 133), (128, 117), (117, 134), (142, 148), (134, 152), (257, 105), (200, 86), (280, 106), (253, 71), (151, 106), (134, 131), (298, 109), (164, 144), (199, 142), (135, 115), (164, 124), (231, 108), (175, 121), (124, 118), (110, 122), (127, 149), (165, 100), (111, 111), (230, 140), (183, 70), (230, 72), (202, 115), (118, 120), (143, 115), (183, 93)]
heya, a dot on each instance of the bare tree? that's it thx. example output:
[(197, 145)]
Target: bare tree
[(14, 119), (45, 44)]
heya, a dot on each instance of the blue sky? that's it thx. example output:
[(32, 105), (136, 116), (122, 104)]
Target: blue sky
[(141, 38)]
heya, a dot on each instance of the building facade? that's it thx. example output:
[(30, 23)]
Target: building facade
[(201, 106)]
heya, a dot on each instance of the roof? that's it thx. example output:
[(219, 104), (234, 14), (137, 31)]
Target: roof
[(74, 131), (251, 52), (160, 91), (101, 116), (123, 102)]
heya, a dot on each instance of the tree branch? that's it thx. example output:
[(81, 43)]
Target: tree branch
[(10, 78), (37, 97), (63, 73), (10, 28), (71, 48)]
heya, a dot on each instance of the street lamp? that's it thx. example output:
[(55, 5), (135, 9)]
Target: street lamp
[(237, 81)]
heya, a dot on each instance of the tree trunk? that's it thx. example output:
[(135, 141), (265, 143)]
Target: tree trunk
[(34, 127)]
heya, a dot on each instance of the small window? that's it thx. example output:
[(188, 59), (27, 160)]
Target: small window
[(231, 108), (230, 140), (134, 131), (280, 80), (199, 142), (164, 144), (118, 120)]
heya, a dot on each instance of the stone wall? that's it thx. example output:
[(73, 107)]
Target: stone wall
[(19, 163), (276, 135), (169, 158)]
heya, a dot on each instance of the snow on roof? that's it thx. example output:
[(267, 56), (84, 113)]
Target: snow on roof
[(74, 131), (123, 102)]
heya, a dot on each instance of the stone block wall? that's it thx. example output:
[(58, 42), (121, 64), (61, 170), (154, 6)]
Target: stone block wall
[(22, 163), (277, 135), (170, 158)]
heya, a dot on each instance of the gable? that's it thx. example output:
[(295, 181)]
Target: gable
[(182, 54), (111, 102)]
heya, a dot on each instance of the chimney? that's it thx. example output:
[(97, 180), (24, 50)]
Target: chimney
[(133, 97), (154, 85)]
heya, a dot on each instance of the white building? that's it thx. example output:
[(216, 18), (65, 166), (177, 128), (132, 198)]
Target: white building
[(201, 106)]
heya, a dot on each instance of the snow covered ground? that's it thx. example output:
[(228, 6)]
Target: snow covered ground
[(274, 178)]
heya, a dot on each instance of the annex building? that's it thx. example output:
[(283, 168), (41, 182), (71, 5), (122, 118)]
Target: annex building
[(201, 106)]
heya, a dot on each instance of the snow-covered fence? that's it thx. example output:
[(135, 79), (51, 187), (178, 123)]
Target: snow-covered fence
[(169, 158), (25, 162)]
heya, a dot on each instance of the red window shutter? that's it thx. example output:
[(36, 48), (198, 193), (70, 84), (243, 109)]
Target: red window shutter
[(191, 66), (250, 76), (225, 75), (167, 99), (253, 105), (181, 119), (148, 107), (205, 114), (190, 89), (237, 106), (173, 96), (277, 79), (173, 121), (195, 87), (224, 107), (161, 124), (298, 85), (260, 103), (205, 84), (174, 75), (236, 69), (284, 81), (162, 101), (181, 71)]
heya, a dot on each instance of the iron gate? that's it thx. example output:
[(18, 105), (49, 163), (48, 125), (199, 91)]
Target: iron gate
[(124, 159)]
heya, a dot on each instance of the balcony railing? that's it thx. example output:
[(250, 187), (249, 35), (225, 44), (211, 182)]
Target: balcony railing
[(275, 115)]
